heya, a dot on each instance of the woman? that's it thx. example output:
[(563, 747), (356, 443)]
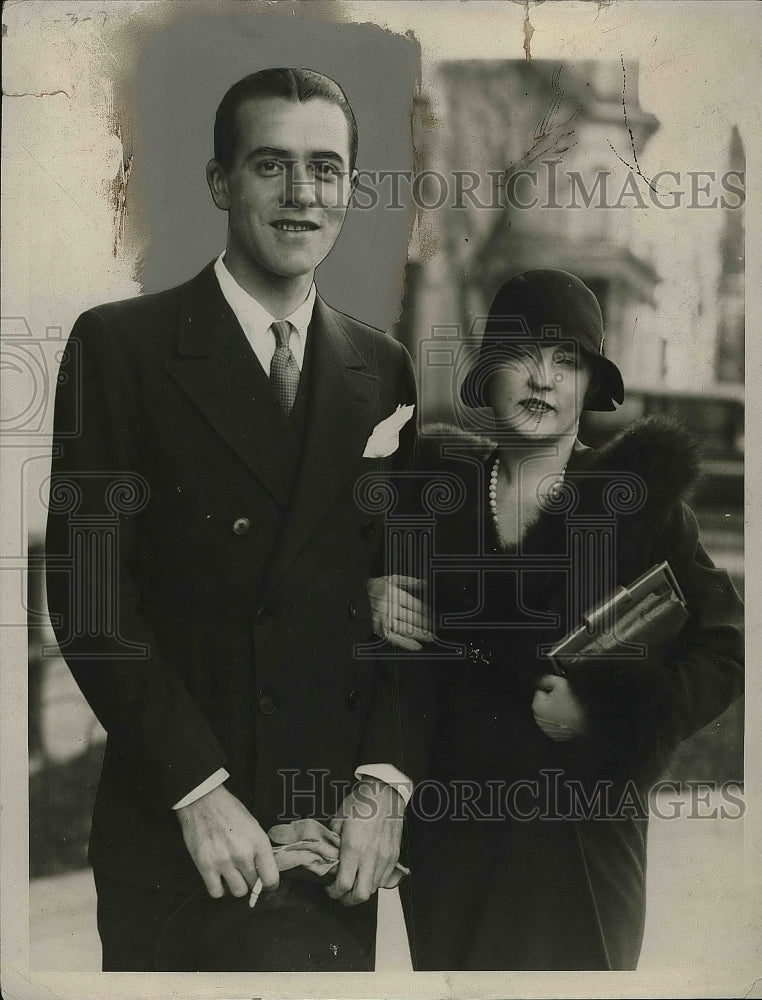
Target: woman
[(528, 841)]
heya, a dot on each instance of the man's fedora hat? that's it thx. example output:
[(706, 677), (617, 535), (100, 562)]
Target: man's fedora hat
[(535, 305), (295, 928)]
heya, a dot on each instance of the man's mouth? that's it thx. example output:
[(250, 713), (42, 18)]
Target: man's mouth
[(291, 226), (535, 405)]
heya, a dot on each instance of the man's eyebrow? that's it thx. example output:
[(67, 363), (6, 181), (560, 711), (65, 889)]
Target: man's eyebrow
[(327, 154), (280, 154), (288, 156)]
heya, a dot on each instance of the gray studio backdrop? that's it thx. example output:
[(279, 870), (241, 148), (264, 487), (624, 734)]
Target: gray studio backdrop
[(183, 72)]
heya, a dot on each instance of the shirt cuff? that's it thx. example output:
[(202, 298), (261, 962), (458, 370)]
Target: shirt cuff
[(390, 775), (211, 782)]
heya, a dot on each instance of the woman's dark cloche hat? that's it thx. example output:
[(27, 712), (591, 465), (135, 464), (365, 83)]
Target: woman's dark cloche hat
[(536, 300)]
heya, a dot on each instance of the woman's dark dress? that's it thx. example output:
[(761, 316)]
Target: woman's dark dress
[(519, 884)]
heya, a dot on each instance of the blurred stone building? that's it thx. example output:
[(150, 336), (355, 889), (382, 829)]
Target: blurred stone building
[(561, 134), (729, 358)]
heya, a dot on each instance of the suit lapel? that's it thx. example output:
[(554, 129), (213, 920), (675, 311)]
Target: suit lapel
[(342, 411), (217, 368)]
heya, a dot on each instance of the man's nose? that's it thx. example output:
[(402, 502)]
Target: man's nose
[(300, 186)]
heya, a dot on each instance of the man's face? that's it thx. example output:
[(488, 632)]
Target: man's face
[(541, 393), (287, 189)]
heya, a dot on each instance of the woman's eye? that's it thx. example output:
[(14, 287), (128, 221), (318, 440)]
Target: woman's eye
[(566, 360)]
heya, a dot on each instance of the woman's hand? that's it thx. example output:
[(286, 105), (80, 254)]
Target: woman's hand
[(557, 710), (398, 615)]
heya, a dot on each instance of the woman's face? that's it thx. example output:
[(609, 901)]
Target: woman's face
[(540, 390)]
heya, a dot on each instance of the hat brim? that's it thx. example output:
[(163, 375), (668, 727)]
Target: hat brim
[(295, 928), (606, 390)]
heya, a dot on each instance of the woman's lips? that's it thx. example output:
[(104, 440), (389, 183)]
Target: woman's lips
[(535, 405)]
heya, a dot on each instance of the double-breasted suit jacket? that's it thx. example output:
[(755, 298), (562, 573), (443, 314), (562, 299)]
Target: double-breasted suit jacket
[(208, 564)]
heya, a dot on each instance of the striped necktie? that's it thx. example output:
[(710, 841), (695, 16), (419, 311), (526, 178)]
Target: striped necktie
[(284, 371)]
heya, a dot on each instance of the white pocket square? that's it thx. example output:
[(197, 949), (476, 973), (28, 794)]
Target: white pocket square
[(385, 439)]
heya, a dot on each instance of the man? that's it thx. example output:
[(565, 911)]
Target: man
[(219, 657)]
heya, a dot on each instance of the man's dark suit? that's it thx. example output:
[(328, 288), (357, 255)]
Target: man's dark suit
[(243, 575)]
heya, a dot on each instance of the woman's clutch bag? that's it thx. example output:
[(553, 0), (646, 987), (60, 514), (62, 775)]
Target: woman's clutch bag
[(636, 625)]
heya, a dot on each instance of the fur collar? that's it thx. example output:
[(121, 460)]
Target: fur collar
[(658, 449)]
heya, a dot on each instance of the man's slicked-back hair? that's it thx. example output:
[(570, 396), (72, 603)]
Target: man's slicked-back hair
[(293, 85)]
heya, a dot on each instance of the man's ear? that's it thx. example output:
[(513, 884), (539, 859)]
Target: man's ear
[(217, 179)]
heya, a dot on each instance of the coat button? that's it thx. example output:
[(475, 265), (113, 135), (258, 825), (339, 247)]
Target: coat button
[(263, 616), (267, 705), (353, 697), (352, 610), (241, 525), (369, 529)]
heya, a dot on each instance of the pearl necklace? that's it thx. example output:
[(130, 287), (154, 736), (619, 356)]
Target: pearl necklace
[(552, 493)]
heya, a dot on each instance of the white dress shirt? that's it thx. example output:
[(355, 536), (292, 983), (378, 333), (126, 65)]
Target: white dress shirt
[(256, 322)]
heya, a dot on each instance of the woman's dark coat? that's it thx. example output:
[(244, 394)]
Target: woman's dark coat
[(528, 853)]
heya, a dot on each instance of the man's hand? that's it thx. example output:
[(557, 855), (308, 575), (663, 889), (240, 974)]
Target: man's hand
[(557, 710), (226, 842), (369, 823), (398, 615)]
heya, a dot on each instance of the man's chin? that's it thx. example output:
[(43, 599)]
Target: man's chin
[(297, 266)]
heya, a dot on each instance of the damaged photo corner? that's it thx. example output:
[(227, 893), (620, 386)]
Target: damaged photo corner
[(613, 143)]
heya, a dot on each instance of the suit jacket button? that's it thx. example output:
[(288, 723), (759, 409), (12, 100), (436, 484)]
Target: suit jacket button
[(267, 705), (352, 610), (353, 697), (263, 616), (241, 525), (369, 529)]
